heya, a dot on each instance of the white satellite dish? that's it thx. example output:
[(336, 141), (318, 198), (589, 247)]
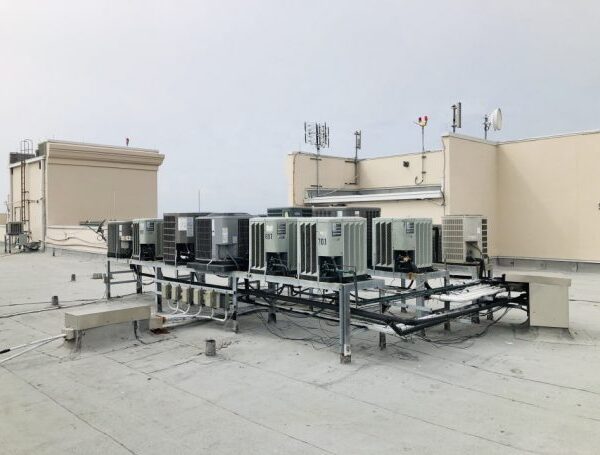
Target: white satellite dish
[(496, 119)]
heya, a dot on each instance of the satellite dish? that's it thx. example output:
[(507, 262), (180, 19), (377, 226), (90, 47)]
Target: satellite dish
[(496, 119)]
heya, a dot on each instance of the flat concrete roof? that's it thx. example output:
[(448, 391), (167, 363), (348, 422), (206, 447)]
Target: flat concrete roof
[(281, 389)]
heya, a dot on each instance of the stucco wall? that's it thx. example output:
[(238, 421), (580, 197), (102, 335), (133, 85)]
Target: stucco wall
[(549, 192), (88, 182), (34, 197), (97, 183), (472, 183), (389, 171), (337, 172), (541, 196), (78, 238)]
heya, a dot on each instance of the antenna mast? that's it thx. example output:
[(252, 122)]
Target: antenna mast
[(317, 135), (456, 116)]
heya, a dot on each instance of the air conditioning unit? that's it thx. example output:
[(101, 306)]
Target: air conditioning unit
[(290, 212), (364, 212), (147, 239), (119, 239), (178, 237), (14, 228), (464, 238), (273, 244), (332, 249), (222, 240), (402, 244)]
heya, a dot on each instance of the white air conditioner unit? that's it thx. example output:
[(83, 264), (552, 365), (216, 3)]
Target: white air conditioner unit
[(332, 249), (464, 238), (402, 244), (273, 244)]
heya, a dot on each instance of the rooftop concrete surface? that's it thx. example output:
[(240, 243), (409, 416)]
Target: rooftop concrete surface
[(514, 390)]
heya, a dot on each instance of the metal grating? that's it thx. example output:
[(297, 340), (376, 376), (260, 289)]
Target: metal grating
[(484, 236), (203, 235), (364, 212), (383, 244), (257, 248), (308, 248), (453, 239), (135, 236), (290, 212), (243, 238), (169, 247)]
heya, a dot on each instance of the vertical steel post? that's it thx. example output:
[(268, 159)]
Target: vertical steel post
[(447, 304), (158, 296), (233, 284), (382, 307), (420, 285), (107, 280), (272, 312), (138, 278), (344, 311)]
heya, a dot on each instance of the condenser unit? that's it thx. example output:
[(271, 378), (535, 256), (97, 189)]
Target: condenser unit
[(369, 213), (14, 228), (147, 239), (222, 241), (290, 212), (178, 237), (119, 239), (464, 238), (273, 244), (332, 249), (402, 244)]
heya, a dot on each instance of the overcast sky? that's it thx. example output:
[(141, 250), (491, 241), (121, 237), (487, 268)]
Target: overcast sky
[(222, 88)]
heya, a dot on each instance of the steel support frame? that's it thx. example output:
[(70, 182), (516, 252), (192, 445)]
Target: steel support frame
[(343, 291)]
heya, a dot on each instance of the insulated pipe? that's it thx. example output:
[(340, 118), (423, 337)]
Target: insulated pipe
[(468, 295)]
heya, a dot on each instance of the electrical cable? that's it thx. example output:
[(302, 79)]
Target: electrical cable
[(35, 346), (464, 338), (59, 307)]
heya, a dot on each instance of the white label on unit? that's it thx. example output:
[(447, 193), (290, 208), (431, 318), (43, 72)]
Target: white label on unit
[(340, 213), (479, 230), (190, 226), (269, 228), (225, 235), (212, 224), (234, 239), (181, 223)]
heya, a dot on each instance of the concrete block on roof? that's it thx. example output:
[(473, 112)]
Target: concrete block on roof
[(100, 315)]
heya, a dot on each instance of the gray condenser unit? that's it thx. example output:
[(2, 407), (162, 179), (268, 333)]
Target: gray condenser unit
[(273, 244), (464, 238), (222, 241), (369, 213), (332, 249), (14, 228), (119, 239), (290, 212), (178, 237), (147, 239), (402, 244)]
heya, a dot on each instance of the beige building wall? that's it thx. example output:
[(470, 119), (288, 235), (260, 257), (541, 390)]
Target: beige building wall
[(385, 172), (78, 238), (74, 182), (549, 193), (34, 199), (472, 182), (541, 196)]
